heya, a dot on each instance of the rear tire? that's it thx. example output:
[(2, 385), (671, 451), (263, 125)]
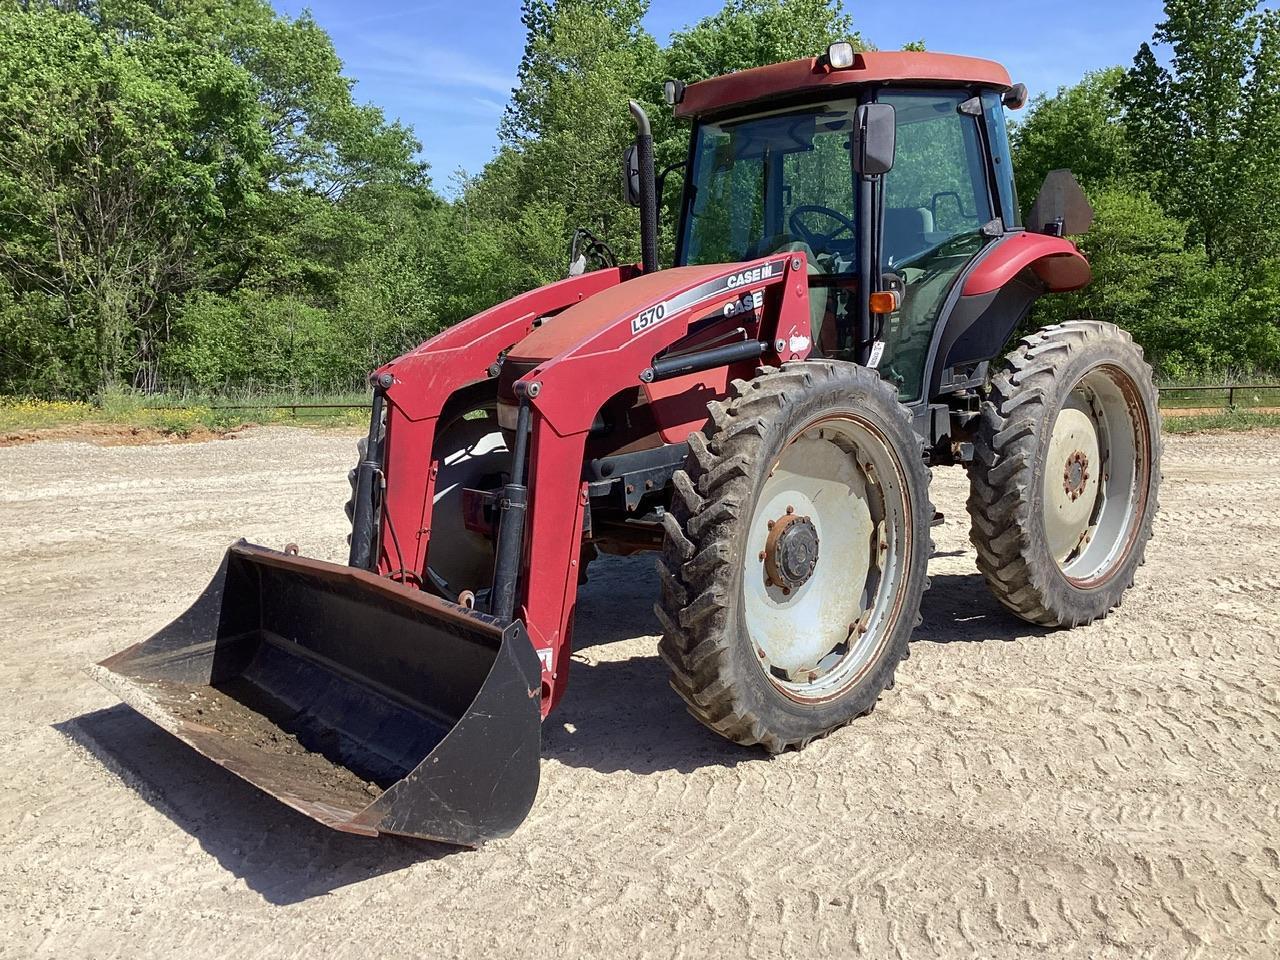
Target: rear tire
[(1066, 474), (795, 554)]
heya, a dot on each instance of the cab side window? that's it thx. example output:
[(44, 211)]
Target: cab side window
[(1002, 158), (936, 204), (937, 188)]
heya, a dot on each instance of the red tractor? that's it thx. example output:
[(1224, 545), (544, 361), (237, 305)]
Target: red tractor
[(850, 263)]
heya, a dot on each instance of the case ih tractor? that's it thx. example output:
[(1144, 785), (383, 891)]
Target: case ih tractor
[(850, 264)]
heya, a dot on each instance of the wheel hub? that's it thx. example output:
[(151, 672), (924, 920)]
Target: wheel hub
[(1076, 475), (791, 551)]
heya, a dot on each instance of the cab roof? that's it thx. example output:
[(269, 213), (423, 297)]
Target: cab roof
[(794, 77)]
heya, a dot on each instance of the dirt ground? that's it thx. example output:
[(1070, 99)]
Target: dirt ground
[(1108, 792)]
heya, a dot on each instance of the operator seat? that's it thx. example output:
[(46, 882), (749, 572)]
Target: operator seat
[(906, 232)]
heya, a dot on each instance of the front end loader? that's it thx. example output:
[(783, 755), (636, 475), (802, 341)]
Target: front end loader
[(851, 263)]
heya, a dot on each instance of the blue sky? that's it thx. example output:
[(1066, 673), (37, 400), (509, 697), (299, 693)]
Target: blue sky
[(447, 66)]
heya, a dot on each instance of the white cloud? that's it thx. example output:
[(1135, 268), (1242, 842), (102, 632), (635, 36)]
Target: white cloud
[(424, 65)]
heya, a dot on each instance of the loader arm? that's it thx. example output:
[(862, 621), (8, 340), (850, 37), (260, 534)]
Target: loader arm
[(565, 393), (422, 382)]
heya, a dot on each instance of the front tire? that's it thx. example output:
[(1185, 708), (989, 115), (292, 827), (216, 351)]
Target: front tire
[(1066, 475), (796, 554)]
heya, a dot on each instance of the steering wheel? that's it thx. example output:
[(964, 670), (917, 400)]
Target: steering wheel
[(816, 240)]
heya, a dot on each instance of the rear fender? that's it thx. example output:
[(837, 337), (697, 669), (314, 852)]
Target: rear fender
[(992, 298), (1057, 261)]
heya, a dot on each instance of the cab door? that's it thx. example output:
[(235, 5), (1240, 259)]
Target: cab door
[(938, 210)]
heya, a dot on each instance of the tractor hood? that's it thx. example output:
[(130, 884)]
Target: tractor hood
[(612, 305)]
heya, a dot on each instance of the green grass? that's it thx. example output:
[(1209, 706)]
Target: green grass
[(180, 416), (185, 414), (1234, 420)]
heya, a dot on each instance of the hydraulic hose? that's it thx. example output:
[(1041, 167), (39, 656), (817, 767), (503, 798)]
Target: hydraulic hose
[(364, 518)]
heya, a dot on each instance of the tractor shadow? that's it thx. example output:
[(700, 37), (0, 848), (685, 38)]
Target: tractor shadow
[(960, 608), (618, 714), (280, 854), (621, 714)]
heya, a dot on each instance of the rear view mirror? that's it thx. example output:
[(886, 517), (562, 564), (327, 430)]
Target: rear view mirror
[(631, 176), (1061, 209), (662, 177), (875, 139)]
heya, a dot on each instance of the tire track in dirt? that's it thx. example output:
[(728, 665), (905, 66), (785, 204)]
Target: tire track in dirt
[(1107, 792)]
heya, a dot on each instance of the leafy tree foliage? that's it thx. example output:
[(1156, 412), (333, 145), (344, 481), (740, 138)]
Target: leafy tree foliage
[(122, 146), (1150, 281), (1180, 161), (1078, 128), (567, 119), (189, 193), (751, 33), (155, 153), (1205, 129)]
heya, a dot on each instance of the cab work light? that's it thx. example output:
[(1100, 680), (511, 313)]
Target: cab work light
[(840, 55)]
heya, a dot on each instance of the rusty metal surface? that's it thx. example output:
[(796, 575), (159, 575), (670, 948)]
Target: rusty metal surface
[(304, 780)]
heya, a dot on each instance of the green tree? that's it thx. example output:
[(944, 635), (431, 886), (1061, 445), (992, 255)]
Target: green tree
[(389, 297), (118, 149), (1151, 281), (255, 340), (154, 149), (1205, 129), (753, 33), (1251, 325), (568, 118), (1079, 128)]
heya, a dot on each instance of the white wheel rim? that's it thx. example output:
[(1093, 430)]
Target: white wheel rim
[(1072, 474), (814, 640), (1096, 472)]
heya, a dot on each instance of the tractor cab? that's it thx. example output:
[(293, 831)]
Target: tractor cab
[(776, 163)]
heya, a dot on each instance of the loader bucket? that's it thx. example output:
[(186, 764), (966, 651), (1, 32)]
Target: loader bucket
[(367, 705)]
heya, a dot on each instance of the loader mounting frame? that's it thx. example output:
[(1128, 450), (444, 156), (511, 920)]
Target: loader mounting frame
[(538, 556)]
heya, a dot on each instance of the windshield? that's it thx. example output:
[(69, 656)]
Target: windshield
[(779, 181)]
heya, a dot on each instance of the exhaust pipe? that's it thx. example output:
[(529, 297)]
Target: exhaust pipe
[(648, 189)]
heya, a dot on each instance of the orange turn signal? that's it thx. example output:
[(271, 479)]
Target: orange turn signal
[(885, 302)]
